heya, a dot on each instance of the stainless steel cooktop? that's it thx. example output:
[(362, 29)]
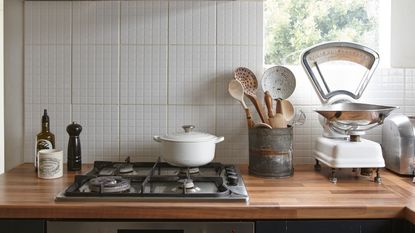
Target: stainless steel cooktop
[(137, 181)]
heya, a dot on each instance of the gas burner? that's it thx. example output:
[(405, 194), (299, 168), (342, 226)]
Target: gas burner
[(191, 170), (109, 184), (125, 168), (187, 186), (187, 183)]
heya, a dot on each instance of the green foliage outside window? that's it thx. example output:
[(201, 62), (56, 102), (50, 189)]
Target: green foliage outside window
[(293, 25)]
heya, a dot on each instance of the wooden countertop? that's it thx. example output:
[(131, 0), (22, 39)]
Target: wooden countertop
[(306, 195)]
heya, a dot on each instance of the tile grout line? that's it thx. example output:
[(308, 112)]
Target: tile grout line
[(24, 74), (168, 69), (405, 73), (71, 65), (119, 80), (215, 91)]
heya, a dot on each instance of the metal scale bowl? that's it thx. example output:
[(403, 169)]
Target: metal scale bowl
[(344, 120)]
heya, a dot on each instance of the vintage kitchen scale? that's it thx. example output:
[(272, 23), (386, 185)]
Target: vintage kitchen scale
[(347, 69)]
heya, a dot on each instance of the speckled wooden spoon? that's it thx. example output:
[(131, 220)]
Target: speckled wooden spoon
[(250, 84)]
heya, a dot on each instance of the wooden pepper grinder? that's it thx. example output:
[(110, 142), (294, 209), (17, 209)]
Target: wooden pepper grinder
[(74, 147)]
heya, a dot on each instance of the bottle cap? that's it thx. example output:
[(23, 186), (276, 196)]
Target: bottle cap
[(45, 117)]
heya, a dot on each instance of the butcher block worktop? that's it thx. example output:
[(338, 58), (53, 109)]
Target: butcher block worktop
[(306, 195)]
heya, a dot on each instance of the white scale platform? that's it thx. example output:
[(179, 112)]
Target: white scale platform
[(338, 153)]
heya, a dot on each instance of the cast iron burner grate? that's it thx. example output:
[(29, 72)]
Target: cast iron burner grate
[(147, 181)]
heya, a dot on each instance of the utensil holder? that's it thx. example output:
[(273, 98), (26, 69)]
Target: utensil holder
[(270, 152)]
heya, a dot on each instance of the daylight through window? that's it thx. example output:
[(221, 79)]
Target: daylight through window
[(293, 25)]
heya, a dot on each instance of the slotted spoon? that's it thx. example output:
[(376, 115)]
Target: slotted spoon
[(250, 86)]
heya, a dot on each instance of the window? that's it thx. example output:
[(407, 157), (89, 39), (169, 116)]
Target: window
[(293, 25)]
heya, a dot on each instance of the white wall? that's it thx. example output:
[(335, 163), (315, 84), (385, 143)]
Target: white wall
[(13, 82), (1, 87), (133, 69), (129, 70), (402, 33)]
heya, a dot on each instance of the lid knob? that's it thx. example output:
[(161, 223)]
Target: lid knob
[(188, 128)]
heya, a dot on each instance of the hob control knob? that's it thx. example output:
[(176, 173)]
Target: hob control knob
[(233, 180), (231, 173), (229, 169)]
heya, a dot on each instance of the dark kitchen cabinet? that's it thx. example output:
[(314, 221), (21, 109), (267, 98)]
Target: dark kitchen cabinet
[(337, 226), (22, 226)]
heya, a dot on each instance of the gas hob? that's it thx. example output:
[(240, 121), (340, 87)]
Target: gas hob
[(145, 181)]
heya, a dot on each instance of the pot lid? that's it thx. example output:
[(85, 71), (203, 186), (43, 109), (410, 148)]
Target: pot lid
[(188, 135)]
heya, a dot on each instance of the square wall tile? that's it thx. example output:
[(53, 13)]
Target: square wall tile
[(47, 22), (192, 22), (202, 117), (303, 160), (143, 74), (410, 91), (385, 88), (100, 131), (95, 22), (228, 59), (410, 110), (240, 23), (374, 134), (304, 93), (192, 74), (144, 22), (95, 74), (305, 135), (59, 118), (138, 125), (231, 123), (47, 71)]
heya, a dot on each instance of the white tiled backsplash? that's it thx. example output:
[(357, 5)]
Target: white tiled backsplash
[(128, 70)]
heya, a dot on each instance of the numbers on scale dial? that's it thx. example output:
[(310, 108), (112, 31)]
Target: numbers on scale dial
[(279, 81), (340, 53)]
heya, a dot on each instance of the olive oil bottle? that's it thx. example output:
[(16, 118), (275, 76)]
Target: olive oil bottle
[(45, 139)]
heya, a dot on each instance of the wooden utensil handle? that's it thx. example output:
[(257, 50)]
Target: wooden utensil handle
[(258, 108), (278, 108), (268, 103), (279, 121), (249, 120)]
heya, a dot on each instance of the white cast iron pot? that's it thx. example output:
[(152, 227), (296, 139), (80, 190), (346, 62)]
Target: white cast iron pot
[(188, 148)]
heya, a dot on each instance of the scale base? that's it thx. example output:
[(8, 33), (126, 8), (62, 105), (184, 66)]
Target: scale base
[(337, 153)]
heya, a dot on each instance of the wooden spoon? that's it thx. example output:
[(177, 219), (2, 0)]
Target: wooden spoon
[(250, 86), (268, 103), (262, 125), (279, 120), (236, 91), (287, 110)]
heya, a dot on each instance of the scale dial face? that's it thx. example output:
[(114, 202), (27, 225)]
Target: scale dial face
[(354, 55), (279, 81), (339, 69)]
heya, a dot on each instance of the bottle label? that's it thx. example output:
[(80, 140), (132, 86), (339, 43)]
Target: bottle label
[(42, 144)]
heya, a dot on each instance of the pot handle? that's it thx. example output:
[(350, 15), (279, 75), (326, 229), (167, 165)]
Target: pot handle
[(157, 138), (219, 139)]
